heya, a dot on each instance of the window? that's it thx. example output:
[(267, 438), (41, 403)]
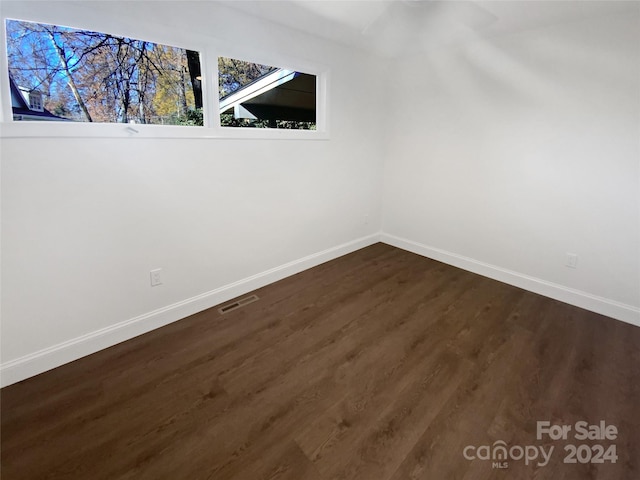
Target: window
[(85, 76), (35, 101), (79, 82), (262, 96)]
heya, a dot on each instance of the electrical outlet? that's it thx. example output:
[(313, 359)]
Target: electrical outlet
[(156, 277), (366, 219), (572, 260)]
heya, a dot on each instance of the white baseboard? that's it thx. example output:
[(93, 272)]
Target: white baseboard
[(594, 303), (52, 357)]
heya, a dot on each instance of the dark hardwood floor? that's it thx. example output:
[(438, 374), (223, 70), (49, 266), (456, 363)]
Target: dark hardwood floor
[(380, 365)]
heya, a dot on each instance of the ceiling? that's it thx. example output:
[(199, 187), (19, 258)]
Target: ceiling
[(400, 27)]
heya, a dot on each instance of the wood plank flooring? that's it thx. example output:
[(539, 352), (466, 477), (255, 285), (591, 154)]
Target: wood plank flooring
[(380, 365)]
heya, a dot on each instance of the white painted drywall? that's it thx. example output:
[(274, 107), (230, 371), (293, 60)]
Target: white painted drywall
[(84, 220), (515, 150)]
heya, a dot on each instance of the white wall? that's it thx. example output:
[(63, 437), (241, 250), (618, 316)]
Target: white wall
[(507, 153), (84, 220)]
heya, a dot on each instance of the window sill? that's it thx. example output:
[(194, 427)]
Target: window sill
[(46, 129)]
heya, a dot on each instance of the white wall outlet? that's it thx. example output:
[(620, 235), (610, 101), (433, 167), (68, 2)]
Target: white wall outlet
[(156, 277), (572, 260), (366, 219)]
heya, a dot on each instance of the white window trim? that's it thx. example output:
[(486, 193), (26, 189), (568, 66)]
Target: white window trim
[(211, 130), (321, 132)]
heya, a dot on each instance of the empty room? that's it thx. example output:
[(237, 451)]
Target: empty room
[(320, 240)]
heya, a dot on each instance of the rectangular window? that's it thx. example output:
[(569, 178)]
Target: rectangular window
[(262, 96), (65, 74), (35, 101)]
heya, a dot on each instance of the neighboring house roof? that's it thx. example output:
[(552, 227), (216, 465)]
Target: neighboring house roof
[(278, 95), (21, 109)]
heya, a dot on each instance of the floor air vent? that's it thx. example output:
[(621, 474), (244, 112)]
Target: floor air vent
[(238, 303)]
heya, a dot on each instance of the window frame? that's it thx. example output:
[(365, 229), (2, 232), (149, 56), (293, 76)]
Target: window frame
[(209, 49), (321, 75)]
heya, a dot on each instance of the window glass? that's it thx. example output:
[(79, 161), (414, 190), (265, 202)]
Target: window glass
[(65, 74), (263, 96)]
